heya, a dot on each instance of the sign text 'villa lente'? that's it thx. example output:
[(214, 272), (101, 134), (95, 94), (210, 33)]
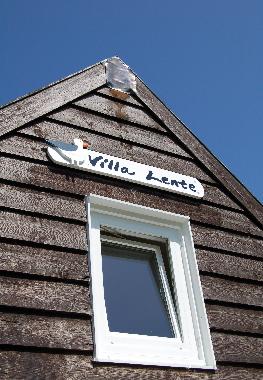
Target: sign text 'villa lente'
[(77, 156)]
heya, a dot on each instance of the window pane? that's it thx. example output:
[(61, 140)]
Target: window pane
[(133, 292)]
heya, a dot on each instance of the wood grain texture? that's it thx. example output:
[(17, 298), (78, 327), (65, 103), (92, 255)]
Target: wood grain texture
[(118, 95), (47, 366), (44, 262), (37, 150), (48, 262), (226, 290), (227, 264), (235, 319), (77, 182), (42, 202), (238, 349), (63, 332), (44, 295), (126, 132), (155, 373), (57, 264), (40, 331), (216, 194), (227, 241), (50, 98), (20, 145), (108, 145), (118, 110), (200, 151), (41, 230), (224, 219), (131, 151)]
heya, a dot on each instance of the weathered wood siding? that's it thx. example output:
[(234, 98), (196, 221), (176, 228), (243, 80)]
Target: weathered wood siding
[(45, 316)]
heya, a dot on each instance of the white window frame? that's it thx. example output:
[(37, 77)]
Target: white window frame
[(192, 345)]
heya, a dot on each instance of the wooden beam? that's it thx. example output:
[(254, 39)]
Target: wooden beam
[(50, 98), (44, 295)]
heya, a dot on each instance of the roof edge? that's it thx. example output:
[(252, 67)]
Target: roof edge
[(34, 105), (230, 182), (45, 87), (24, 109)]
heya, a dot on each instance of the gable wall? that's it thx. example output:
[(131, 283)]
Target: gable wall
[(45, 312)]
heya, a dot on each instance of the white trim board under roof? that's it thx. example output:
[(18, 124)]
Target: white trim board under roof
[(36, 105)]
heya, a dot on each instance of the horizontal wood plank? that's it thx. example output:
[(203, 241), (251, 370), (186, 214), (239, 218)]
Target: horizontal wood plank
[(47, 262), (62, 206), (63, 265), (235, 319), (44, 295), (55, 332), (63, 332), (154, 373), (44, 262), (40, 331), (230, 265), (43, 366), (37, 365), (220, 317), (224, 219), (40, 230), (42, 202), (116, 147), (226, 290), (76, 182), (50, 98), (109, 127), (21, 146), (227, 241), (215, 194), (18, 145), (11, 168), (118, 95), (118, 110), (238, 349)]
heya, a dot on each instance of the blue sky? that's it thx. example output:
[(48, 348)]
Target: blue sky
[(203, 58)]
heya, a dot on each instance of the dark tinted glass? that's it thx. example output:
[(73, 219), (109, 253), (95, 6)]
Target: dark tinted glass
[(133, 292)]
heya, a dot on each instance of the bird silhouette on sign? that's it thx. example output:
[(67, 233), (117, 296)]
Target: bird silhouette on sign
[(73, 153)]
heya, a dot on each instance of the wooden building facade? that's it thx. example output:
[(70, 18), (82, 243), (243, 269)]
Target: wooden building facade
[(46, 310)]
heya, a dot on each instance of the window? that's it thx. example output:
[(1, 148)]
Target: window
[(147, 299), (146, 304)]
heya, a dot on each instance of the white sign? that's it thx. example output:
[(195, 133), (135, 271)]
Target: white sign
[(75, 156)]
